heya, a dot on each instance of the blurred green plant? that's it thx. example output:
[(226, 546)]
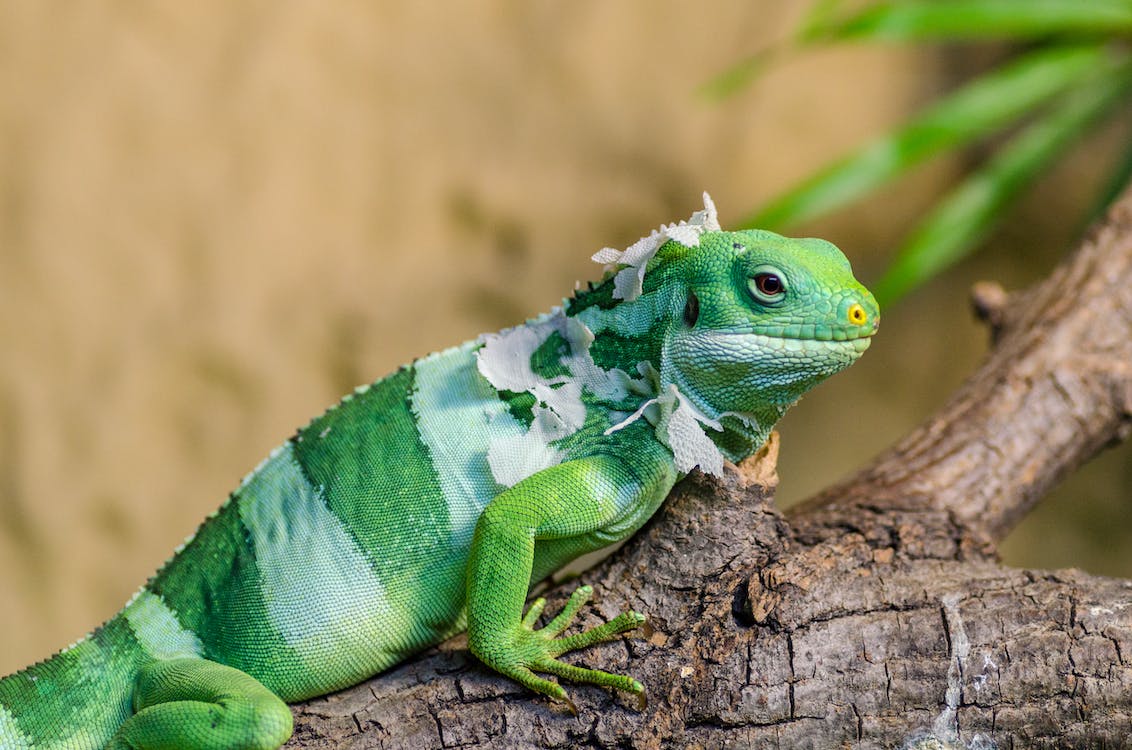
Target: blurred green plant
[(1071, 69)]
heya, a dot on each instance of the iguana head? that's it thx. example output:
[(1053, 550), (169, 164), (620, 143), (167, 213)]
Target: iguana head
[(738, 325), (764, 318)]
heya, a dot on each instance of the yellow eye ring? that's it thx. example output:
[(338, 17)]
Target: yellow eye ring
[(857, 315)]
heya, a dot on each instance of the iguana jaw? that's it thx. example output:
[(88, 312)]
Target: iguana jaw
[(767, 370)]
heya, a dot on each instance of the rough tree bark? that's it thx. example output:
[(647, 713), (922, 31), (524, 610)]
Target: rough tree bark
[(874, 615)]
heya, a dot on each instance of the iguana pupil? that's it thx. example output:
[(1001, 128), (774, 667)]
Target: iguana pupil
[(769, 284)]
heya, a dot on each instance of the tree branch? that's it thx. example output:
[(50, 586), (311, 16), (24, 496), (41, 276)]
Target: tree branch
[(873, 615), (1056, 390)]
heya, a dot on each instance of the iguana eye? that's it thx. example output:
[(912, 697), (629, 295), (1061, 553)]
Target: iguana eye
[(767, 286)]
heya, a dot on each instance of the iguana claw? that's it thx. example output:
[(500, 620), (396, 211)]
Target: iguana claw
[(536, 650)]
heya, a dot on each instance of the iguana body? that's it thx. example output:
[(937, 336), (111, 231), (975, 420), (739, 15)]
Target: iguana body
[(429, 502)]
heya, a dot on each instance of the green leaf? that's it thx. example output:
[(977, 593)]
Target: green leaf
[(977, 19), (965, 216), (739, 76), (820, 16), (746, 71), (983, 106)]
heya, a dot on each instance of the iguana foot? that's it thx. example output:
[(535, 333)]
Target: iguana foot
[(536, 650)]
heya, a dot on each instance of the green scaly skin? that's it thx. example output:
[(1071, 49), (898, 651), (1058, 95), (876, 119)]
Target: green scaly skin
[(429, 501)]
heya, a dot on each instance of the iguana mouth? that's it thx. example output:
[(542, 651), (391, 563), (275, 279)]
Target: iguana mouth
[(771, 340), (809, 332)]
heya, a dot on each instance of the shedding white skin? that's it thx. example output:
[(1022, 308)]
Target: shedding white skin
[(629, 281), (679, 425), (513, 458), (504, 359), (558, 412)]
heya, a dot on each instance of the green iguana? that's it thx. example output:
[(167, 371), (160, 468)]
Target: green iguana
[(428, 502)]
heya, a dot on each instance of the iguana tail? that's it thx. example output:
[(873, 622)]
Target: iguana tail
[(76, 699)]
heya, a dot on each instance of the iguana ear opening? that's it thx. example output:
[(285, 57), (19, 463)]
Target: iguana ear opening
[(691, 309)]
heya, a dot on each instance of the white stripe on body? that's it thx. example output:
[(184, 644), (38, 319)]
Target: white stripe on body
[(458, 416), (11, 738), (158, 630), (319, 589)]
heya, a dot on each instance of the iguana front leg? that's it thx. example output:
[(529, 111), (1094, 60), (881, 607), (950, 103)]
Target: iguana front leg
[(566, 510)]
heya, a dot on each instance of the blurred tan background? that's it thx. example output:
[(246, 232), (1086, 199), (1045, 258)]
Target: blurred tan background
[(216, 218)]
